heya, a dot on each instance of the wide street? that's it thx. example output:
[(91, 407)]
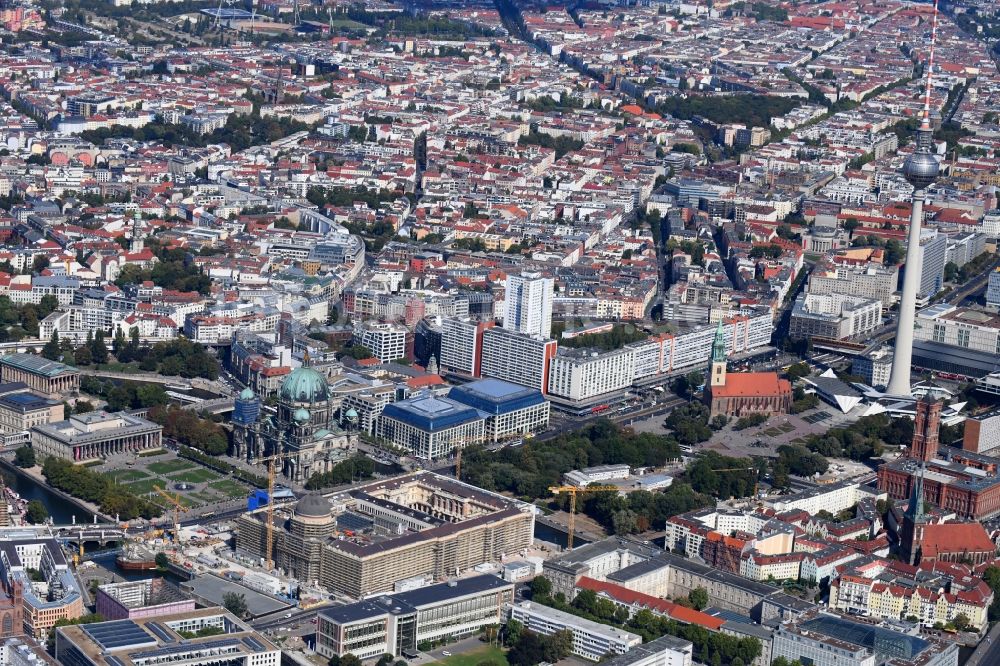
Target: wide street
[(988, 652)]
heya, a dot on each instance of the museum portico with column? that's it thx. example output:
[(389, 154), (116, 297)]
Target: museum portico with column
[(96, 436)]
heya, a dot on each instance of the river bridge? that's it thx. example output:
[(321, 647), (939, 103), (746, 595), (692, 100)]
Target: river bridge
[(102, 534)]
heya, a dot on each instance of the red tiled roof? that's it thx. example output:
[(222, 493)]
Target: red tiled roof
[(744, 384), (669, 608), (424, 380), (955, 538)]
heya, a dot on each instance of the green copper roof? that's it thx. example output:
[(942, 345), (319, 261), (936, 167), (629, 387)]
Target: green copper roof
[(719, 346), (36, 365), (247, 394), (301, 415), (304, 385)]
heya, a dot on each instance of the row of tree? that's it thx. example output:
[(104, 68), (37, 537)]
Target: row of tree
[(345, 197), (619, 336), (750, 110), (190, 429), (93, 350), (640, 510), (179, 357), (81, 482), (240, 132), (561, 144), (21, 321), (125, 394), (219, 465), (352, 470), (863, 439), (722, 476)]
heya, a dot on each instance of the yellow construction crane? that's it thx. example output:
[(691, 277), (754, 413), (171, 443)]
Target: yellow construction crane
[(572, 492), (269, 527), (178, 507)]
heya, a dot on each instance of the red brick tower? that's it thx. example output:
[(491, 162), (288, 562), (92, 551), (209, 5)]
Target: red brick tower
[(925, 429)]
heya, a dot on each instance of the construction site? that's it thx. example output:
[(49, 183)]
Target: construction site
[(362, 541)]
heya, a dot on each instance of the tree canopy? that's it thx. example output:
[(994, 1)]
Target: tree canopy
[(530, 470), (91, 486)]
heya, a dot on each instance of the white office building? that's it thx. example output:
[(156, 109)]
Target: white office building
[(933, 257), (398, 623), (663, 651), (517, 358), (874, 366), (692, 347), (581, 478), (991, 223), (429, 427), (386, 342), (462, 345), (959, 327), (869, 281), (834, 316), (833, 498), (580, 374), (528, 304), (591, 640)]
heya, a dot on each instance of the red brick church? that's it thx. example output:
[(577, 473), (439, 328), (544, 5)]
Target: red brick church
[(741, 393)]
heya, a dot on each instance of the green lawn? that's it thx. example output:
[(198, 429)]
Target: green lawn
[(127, 475), (145, 486), (205, 496), (199, 475), (230, 488), (186, 500), (169, 466), (476, 656)]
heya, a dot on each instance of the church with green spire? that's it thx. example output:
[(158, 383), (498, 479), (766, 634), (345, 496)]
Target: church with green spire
[(737, 394)]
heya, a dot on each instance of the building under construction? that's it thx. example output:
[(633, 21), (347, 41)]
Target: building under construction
[(363, 540)]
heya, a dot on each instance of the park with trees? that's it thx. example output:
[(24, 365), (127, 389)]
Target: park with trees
[(190, 429), (91, 486)]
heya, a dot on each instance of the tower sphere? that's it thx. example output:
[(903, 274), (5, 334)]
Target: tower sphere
[(921, 169)]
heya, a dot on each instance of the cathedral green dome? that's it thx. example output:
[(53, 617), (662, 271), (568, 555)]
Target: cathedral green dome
[(304, 385), (301, 415), (247, 394)]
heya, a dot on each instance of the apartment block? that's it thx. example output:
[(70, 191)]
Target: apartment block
[(517, 358)]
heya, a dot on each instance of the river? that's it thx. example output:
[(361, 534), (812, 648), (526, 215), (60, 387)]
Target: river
[(60, 510)]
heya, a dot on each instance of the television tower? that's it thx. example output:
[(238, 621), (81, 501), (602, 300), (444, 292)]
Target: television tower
[(920, 170)]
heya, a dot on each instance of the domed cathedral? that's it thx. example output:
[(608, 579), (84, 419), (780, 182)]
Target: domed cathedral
[(303, 428)]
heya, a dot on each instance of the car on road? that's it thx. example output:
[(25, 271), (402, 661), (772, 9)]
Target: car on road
[(445, 653)]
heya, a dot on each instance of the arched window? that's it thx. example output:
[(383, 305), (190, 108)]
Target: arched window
[(8, 625)]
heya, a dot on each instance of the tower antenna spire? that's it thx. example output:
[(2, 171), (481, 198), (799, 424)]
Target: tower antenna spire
[(925, 121), (921, 169)]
